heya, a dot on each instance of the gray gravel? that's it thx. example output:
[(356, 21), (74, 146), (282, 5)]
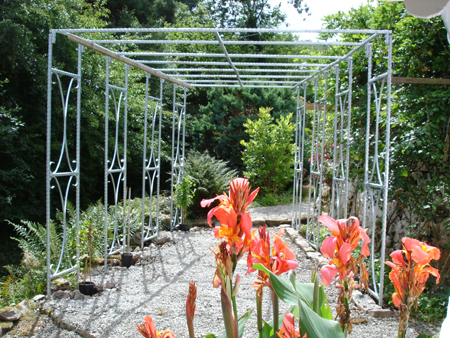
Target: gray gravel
[(159, 287)]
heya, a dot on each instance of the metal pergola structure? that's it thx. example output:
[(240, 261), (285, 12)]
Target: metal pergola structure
[(329, 78)]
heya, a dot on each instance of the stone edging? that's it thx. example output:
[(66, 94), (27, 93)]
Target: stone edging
[(362, 301), (63, 324)]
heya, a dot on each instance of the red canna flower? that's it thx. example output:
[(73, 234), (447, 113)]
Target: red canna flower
[(281, 260), (345, 236), (147, 329), (190, 308), (410, 271), (288, 328), (166, 334), (232, 213)]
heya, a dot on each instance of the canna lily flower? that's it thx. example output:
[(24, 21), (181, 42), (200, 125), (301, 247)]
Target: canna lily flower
[(232, 213), (166, 334), (281, 260), (288, 328), (148, 330), (345, 236), (410, 271), (190, 308)]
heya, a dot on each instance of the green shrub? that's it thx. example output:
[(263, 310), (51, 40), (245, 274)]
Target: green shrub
[(268, 155), (210, 176)]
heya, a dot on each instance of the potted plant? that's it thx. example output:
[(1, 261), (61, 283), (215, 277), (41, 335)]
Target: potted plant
[(127, 257), (185, 194), (87, 286)]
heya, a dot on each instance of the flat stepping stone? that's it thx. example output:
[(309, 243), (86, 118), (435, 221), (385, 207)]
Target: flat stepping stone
[(10, 315)]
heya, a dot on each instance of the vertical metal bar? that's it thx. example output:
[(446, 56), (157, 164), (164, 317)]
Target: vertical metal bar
[(311, 166), (366, 164), (174, 111), (334, 183), (183, 155), (125, 143), (349, 118), (321, 161), (386, 166), (302, 150), (105, 201), (144, 160), (294, 222), (158, 178), (78, 158), (51, 41)]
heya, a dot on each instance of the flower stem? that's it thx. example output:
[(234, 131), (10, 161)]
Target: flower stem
[(230, 322), (259, 312), (233, 299), (275, 310)]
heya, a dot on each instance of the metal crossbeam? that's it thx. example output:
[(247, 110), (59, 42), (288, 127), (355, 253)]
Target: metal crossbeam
[(228, 57)]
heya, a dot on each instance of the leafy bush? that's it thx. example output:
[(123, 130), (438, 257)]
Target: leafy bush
[(29, 278), (210, 176), (268, 155)]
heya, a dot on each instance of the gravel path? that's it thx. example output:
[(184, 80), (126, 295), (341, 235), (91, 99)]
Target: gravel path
[(159, 287)]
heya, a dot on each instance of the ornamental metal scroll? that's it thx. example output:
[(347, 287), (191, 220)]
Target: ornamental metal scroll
[(299, 150), (178, 156), (115, 161), (341, 143), (151, 166), (64, 173), (316, 159), (376, 173)]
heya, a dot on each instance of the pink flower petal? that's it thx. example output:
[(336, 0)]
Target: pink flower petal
[(419, 256), (328, 247), (327, 273), (365, 250), (329, 223), (210, 215), (345, 252), (397, 257), (206, 203)]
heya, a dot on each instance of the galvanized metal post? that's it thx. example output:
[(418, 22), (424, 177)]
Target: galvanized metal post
[(51, 41)]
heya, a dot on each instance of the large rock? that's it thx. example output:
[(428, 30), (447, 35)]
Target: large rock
[(60, 284), (61, 294), (9, 314)]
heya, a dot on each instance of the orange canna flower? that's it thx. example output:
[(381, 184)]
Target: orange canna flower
[(166, 334), (288, 328), (346, 234), (147, 329), (410, 271), (190, 308), (281, 260), (232, 213)]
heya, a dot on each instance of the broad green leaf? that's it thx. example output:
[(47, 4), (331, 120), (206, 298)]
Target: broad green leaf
[(325, 311), (241, 324), (242, 321), (284, 289), (317, 327)]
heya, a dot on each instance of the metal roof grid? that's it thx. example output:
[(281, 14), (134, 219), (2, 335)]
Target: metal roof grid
[(192, 77)]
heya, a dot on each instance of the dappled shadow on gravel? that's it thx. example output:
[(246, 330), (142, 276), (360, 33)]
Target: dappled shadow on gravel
[(159, 289)]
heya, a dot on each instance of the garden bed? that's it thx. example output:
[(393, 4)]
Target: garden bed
[(158, 286)]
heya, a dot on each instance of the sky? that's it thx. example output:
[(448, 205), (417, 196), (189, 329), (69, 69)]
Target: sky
[(318, 9)]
